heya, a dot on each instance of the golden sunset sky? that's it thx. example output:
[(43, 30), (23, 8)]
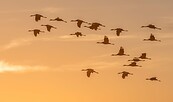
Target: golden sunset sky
[(47, 68)]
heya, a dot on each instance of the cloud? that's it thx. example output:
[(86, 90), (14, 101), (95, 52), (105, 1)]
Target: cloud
[(6, 67), (17, 43), (68, 38)]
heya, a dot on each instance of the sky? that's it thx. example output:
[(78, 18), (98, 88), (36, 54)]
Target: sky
[(48, 68)]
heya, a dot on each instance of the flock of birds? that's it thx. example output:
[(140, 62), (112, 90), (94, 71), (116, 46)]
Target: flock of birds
[(95, 26)]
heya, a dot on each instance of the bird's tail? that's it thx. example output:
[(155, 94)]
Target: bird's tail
[(44, 17), (146, 40), (143, 26), (99, 42), (159, 28), (83, 70), (86, 26), (65, 21), (158, 40), (159, 80), (114, 55), (52, 20), (30, 30)]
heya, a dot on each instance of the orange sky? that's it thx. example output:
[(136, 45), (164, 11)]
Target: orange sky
[(47, 68)]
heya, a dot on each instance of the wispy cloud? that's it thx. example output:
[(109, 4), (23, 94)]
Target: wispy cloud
[(27, 41), (6, 67), (17, 43)]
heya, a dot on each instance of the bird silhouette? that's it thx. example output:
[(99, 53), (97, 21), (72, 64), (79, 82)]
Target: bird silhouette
[(121, 52), (58, 19), (79, 22), (153, 79), (95, 26), (38, 17), (89, 71), (151, 26), (49, 27), (78, 34), (136, 59), (125, 74), (144, 56), (133, 64), (36, 32), (106, 41), (118, 31), (152, 38)]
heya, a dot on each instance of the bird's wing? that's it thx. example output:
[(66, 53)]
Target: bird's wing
[(79, 24), (49, 28), (37, 18), (88, 73), (35, 34), (118, 32), (123, 76)]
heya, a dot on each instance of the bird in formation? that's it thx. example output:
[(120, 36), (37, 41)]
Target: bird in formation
[(106, 41), (121, 52), (89, 71), (153, 79), (78, 34), (36, 31), (152, 38), (79, 22), (151, 26), (144, 56), (38, 17), (58, 19), (136, 59), (125, 74), (49, 27), (118, 31), (95, 26), (133, 64)]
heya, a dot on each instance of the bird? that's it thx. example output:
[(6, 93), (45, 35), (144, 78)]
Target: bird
[(133, 64), (58, 19), (125, 74), (121, 52), (151, 26), (89, 71), (36, 32), (79, 22), (106, 41), (136, 59), (78, 34), (144, 56), (95, 26), (152, 38), (49, 27), (38, 17), (153, 79), (118, 31)]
